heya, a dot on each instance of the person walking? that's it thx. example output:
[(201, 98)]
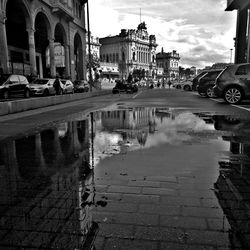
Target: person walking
[(169, 83), (57, 86)]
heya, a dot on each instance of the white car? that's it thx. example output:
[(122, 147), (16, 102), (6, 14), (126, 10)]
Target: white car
[(43, 87), (68, 86)]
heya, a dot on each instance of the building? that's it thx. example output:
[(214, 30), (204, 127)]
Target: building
[(43, 38), (242, 39), (95, 55), (169, 62), (132, 50)]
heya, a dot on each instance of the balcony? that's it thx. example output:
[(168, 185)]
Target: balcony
[(62, 9)]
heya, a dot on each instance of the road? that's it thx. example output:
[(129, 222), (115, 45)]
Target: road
[(159, 169)]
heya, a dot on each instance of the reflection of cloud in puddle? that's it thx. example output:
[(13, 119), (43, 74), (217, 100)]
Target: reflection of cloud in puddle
[(174, 131), (106, 144)]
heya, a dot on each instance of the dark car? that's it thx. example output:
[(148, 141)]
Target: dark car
[(12, 85), (233, 83), (124, 87), (81, 86), (207, 82), (195, 80)]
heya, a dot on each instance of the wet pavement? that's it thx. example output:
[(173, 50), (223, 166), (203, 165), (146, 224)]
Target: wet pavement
[(128, 178)]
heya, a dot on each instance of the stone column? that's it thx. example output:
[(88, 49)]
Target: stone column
[(248, 41), (32, 51), (67, 60), (52, 58), (4, 57), (240, 42)]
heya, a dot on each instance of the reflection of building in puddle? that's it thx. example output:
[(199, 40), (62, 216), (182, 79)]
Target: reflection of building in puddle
[(131, 123), (233, 184), (44, 179)]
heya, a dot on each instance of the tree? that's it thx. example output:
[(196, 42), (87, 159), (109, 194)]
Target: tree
[(187, 72), (94, 61), (181, 71)]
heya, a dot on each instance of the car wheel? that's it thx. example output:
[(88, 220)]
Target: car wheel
[(46, 92), (233, 95), (187, 88), (26, 93), (178, 86), (5, 94), (210, 92)]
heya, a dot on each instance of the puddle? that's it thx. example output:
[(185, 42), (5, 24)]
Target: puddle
[(106, 179)]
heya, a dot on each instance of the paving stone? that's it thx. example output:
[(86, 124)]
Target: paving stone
[(118, 207), (208, 202), (121, 244), (116, 230), (137, 198), (124, 189), (162, 178), (202, 212), (101, 188), (183, 222), (219, 224), (159, 209), (158, 234), (197, 193), (178, 200), (159, 191), (176, 246), (144, 184), (126, 218), (108, 196), (207, 238)]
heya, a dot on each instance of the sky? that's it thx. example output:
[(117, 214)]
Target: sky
[(201, 31)]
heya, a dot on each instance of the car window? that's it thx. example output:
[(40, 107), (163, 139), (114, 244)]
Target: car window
[(23, 79), (14, 79), (40, 81), (243, 70)]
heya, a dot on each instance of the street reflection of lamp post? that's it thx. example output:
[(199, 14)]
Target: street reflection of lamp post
[(89, 47)]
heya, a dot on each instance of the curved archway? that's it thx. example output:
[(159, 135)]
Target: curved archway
[(78, 56), (42, 44), (17, 22), (61, 51)]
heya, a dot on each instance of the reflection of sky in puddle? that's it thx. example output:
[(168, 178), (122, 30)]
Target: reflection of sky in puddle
[(145, 128)]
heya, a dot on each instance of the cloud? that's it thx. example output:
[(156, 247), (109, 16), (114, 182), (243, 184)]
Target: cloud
[(179, 25)]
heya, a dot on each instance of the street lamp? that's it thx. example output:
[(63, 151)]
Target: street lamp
[(231, 53), (89, 46)]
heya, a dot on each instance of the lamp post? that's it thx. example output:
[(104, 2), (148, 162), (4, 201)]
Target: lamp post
[(231, 53), (89, 47)]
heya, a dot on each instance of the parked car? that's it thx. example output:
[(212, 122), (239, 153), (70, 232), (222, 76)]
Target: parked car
[(195, 80), (12, 85), (207, 82), (44, 87), (233, 83), (68, 86), (185, 85), (124, 87), (81, 86)]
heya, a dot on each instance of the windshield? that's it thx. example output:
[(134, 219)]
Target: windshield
[(40, 81), (3, 79)]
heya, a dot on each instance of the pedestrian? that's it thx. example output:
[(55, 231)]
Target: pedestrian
[(57, 86), (169, 83)]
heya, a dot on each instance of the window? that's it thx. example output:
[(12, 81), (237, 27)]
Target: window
[(243, 70)]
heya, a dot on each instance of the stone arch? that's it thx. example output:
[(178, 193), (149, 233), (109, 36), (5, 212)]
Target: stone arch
[(44, 43), (78, 56), (62, 51), (18, 21), (48, 21)]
